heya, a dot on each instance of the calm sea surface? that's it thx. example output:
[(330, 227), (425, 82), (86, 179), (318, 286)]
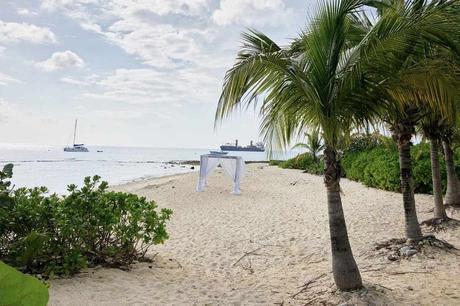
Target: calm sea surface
[(54, 168)]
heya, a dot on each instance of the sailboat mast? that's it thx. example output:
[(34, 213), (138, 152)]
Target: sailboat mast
[(75, 132)]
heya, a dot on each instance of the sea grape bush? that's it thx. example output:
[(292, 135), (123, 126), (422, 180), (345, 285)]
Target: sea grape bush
[(5, 184), (305, 162), (373, 160), (51, 234)]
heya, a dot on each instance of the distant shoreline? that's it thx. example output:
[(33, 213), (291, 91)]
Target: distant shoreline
[(197, 162), (152, 178)]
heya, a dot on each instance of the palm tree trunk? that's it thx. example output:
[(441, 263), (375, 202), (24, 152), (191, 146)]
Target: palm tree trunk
[(403, 137), (344, 268), (439, 210), (453, 184)]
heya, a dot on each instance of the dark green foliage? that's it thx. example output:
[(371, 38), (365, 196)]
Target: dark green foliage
[(373, 160), (304, 162), (377, 167), (275, 162), (5, 184), (50, 234), (363, 142)]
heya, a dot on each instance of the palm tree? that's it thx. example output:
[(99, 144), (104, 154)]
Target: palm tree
[(409, 80), (406, 97), (431, 126), (306, 87), (323, 80), (313, 145), (453, 184)]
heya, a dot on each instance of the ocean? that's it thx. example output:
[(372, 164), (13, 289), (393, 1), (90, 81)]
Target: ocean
[(55, 169)]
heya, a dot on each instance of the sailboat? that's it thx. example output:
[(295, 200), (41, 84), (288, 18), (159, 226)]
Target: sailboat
[(77, 147)]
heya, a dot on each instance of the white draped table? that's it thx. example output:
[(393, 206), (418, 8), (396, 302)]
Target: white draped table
[(233, 166)]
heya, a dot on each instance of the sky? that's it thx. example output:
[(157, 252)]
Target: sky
[(134, 72)]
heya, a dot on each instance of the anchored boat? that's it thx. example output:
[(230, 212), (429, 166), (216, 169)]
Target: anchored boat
[(76, 147), (258, 147)]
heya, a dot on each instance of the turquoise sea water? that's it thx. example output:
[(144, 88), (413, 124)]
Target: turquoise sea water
[(54, 168)]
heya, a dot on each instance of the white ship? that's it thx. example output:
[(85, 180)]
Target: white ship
[(76, 147)]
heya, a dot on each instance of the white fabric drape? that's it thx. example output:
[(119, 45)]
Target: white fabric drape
[(233, 166), (207, 165)]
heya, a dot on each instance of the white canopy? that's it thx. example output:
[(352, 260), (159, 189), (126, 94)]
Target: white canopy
[(233, 166)]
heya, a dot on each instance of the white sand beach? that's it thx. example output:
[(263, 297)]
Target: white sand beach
[(280, 223)]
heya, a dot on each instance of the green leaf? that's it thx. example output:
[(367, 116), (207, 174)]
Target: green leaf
[(17, 288), (8, 170)]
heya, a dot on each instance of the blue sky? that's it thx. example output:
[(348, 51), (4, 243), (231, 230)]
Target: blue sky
[(134, 72)]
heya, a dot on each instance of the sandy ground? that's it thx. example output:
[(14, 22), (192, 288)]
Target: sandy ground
[(280, 223)]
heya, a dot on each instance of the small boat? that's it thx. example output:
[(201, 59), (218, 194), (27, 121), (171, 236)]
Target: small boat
[(76, 147), (218, 152), (99, 151)]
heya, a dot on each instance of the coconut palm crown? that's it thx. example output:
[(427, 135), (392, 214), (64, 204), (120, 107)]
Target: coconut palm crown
[(313, 144)]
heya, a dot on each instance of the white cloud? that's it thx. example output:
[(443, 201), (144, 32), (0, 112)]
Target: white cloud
[(26, 12), (185, 7), (7, 79), (132, 86), (149, 86), (174, 33), (89, 80), (73, 81), (11, 32), (252, 12), (61, 60), (58, 4), (185, 52)]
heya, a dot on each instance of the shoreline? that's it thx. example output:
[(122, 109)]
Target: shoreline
[(197, 162), (185, 162)]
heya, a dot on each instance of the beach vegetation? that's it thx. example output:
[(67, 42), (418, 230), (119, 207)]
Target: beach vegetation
[(344, 72), (413, 80), (373, 160), (450, 139), (59, 235), (306, 162), (313, 145), (307, 86)]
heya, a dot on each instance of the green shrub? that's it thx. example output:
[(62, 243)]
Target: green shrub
[(274, 162), (373, 160), (51, 234), (379, 167), (304, 162), (363, 142)]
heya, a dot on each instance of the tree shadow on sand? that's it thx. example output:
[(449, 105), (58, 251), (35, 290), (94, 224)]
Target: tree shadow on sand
[(321, 290), (434, 225), (397, 249)]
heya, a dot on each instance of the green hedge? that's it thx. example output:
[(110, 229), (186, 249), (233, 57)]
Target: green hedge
[(373, 160), (305, 162), (50, 234), (377, 167)]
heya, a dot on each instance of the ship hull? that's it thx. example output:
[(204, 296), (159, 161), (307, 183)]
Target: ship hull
[(78, 149), (241, 149)]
